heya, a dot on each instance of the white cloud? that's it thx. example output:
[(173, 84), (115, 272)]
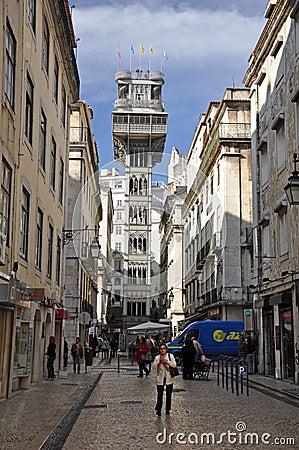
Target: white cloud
[(205, 49)]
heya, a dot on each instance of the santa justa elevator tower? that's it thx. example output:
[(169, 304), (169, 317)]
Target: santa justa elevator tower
[(139, 128)]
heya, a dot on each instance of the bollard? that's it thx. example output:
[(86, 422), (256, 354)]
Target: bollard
[(218, 368)]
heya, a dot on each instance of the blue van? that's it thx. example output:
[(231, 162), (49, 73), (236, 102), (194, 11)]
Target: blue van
[(217, 337)]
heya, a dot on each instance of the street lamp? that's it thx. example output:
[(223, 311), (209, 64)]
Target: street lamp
[(95, 248), (292, 188), (171, 296)]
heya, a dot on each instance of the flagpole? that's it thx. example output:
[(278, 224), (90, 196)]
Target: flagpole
[(118, 57), (130, 60)]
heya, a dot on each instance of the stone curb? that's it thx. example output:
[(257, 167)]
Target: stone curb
[(55, 432)]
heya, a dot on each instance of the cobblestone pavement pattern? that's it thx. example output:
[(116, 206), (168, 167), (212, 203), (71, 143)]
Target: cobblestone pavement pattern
[(120, 415), (27, 418)]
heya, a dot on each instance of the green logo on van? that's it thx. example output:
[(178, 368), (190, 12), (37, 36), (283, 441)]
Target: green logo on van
[(219, 335)]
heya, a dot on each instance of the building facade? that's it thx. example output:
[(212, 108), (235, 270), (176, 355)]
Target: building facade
[(217, 212), (39, 82), (84, 212), (273, 79), (139, 128)]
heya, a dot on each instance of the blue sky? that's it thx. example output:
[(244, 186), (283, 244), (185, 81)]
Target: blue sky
[(207, 42)]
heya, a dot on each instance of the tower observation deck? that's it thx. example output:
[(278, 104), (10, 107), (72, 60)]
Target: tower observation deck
[(139, 129)]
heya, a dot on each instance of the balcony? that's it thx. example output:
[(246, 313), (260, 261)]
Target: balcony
[(158, 105), (80, 135), (139, 128)]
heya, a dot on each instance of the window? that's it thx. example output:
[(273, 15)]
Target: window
[(45, 46), (58, 260), (212, 185), (42, 140), (265, 231), (55, 80), (10, 66), (61, 181), (50, 251), (39, 239), (118, 246), (280, 145), (63, 106), (264, 165), (118, 229), (283, 234), (31, 14), (29, 109), (136, 308), (118, 184), (25, 224), (118, 215), (5, 200), (117, 281), (53, 164), (117, 265), (119, 202)]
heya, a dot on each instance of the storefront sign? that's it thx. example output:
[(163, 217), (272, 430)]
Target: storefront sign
[(62, 314)]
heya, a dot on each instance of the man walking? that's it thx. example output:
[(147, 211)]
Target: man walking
[(77, 354)]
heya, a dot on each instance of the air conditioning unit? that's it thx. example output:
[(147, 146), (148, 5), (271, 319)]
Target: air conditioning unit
[(2, 248)]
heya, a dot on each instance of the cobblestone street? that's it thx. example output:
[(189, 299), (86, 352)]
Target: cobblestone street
[(120, 414)]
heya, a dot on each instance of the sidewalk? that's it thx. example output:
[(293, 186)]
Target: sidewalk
[(30, 416)]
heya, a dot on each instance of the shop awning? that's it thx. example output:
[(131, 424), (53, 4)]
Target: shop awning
[(62, 313)]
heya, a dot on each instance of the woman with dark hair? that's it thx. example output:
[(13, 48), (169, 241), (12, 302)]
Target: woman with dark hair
[(51, 355), (161, 364)]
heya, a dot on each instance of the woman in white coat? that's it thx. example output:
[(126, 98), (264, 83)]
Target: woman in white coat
[(161, 366)]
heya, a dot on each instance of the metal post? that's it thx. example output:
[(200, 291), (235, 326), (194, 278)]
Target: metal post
[(237, 379)]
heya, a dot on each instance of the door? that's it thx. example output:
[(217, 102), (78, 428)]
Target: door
[(269, 349), (287, 344)]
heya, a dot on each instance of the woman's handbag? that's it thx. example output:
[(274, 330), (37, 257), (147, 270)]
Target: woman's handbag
[(174, 372)]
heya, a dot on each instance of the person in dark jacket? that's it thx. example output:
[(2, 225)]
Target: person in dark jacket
[(188, 357), (65, 353), (141, 357), (242, 347), (51, 355), (77, 354)]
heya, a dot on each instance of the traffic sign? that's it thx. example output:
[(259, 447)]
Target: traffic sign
[(84, 317)]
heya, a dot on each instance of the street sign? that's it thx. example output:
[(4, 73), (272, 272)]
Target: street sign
[(242, 370), (84, 317)]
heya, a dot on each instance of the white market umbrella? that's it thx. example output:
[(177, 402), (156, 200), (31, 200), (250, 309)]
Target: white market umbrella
[(148, 327)]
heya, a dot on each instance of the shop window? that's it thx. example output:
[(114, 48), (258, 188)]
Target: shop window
[(23, 349)]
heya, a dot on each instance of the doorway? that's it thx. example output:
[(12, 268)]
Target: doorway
[(269, 349), (287, 344)]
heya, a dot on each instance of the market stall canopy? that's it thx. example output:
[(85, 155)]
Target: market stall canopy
[(148, 327)]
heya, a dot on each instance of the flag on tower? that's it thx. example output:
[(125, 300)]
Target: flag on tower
[(118, 54), (142, 49), (152, 50), (132, 49)]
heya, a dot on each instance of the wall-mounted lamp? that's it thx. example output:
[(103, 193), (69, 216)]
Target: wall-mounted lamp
[(171, 296), (95, 248), (70, 235), (292, 188)]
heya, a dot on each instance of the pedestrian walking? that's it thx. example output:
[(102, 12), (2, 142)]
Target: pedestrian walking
[(77, 354), (65, 353), (141, 357), (188, 359), (51, 355), (242, 348), (161, 364), (250, 357)]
